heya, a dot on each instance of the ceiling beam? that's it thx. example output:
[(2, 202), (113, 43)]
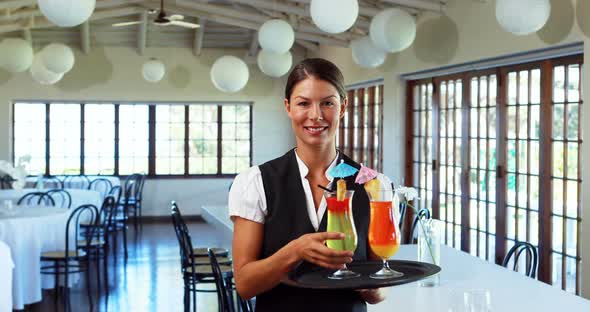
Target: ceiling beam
[(85, 37), (199, 34), (42, 22), (16, 3), (27, 35), (308, 45), (252, 21), (367, 10), (142, 33), (434, 6), (253, 51)]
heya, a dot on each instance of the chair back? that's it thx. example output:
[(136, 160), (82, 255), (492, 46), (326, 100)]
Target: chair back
[(6, 182), (225, 304), (531, 258), (76, 182), (36, 198), (132, 186), (422, 214), (116, 193), (50, 182), (87, 214), (107, 215), (183, 237), (61, 198), (101, 185)]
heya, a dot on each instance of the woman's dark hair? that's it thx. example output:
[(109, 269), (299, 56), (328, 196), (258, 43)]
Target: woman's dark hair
[(318, 68)]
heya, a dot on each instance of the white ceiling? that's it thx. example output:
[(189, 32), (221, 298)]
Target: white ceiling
[(224, 23)]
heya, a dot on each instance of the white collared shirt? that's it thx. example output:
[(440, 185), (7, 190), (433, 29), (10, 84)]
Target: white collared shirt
[(248, 200)]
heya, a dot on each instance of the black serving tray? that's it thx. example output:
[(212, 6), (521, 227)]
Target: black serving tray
[(317, 277)]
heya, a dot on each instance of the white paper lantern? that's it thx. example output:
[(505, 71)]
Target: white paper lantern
[(43, 75), (57, 57), (276, 36), (366, 54), (229, 74), (334, 16), (67, 13), (522, 17), (274, 64), (153, 70), (393, 30), (16, 55)]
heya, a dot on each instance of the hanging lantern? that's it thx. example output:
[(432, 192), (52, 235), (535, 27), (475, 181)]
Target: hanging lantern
[(229, 74), (16, 55), (153, 70), (393, 30), (276, 36), (274, 64), (366, 54), (67, 13), (522, 17), (334, 16), (43, 75), (57, 57)]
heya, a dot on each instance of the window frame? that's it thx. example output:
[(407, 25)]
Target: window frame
[(546, 140), (151, 169)]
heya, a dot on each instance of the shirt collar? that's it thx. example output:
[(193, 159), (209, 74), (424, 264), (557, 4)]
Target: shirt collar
[(303, 170)]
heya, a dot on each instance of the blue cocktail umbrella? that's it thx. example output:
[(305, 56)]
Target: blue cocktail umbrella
[(342, 170)]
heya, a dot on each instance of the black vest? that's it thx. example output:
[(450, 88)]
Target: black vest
[(287, 219)]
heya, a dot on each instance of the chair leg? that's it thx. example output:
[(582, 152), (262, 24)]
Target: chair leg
[(105, 271), (125, 231), (186, 298), (56, 282), (88, 283), (98, 286)]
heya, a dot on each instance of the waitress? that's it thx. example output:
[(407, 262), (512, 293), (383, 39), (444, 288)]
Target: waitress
[(279, 212)]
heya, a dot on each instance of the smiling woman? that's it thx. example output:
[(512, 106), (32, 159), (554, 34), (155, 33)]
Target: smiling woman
[(278, 207)]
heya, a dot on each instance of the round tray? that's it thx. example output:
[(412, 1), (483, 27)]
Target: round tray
[(317, 277)]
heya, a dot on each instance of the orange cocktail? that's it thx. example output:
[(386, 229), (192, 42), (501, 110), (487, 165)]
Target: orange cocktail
[(384, 239), (384, 235)]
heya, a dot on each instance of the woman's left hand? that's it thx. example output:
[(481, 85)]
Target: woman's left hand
[(372, 296)]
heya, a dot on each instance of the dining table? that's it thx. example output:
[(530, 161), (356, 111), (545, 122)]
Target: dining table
[(115, 181), (29, 231), (462, 273), (6, 267), (79, 196)]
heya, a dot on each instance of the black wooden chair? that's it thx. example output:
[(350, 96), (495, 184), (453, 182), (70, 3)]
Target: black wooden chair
[(422, 214), (531, 258), (36, 198), (71, 260), (224, 288), (6, 182), (192, 271), (76, 182), (98, 245), (132, 197), (50, 182), (101, 185), (61, 197)]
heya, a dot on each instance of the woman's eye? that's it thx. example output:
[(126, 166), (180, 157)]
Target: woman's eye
[(328, 103)]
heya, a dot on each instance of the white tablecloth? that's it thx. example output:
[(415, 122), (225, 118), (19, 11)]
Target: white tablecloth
[(510, 291), (79, 197), (115, 181), (28, 233), (6, 266)]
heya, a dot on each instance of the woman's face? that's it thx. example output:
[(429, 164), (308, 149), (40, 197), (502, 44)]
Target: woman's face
[(315, 110)]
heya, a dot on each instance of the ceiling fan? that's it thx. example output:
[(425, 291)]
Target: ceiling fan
[(162, 19)]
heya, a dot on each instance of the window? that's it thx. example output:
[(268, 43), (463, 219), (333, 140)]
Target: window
[(496, 156), (121, 139), (361, 130)]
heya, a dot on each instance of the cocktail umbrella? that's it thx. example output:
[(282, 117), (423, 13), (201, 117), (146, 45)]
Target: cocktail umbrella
[(365, 174), (342, 170)]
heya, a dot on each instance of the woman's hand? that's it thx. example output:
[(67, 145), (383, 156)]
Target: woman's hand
[(312, 248), (372, 296)]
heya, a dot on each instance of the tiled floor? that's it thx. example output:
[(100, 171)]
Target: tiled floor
[(150, 280)]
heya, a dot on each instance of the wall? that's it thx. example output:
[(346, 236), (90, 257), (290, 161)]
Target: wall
[(114, 73), (468, 31)]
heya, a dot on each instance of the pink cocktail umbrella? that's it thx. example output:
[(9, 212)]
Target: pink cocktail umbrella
[(365, 175)]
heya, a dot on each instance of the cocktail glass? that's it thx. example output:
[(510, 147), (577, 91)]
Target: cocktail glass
[(384, 234), (340, 220)]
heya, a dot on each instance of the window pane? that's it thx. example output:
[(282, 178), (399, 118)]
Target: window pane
[(99, 139), (235, 139), (133, 138), (64, 134), (29, 137), (202, 139), (170, 134)]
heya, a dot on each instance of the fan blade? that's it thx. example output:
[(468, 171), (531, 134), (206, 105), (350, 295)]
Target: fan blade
[(176, 17), (185, 24), (122, 24)]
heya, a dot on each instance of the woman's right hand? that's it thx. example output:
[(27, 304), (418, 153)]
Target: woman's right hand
[(312, 248)]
